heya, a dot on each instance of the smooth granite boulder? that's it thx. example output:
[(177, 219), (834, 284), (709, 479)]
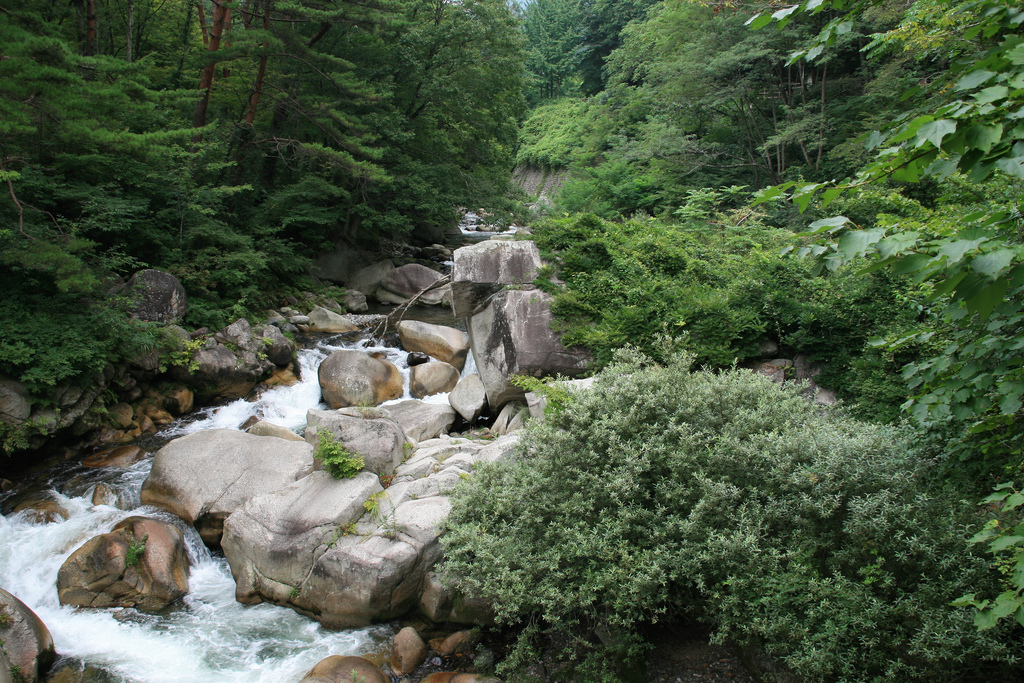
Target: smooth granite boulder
[(205, 476)]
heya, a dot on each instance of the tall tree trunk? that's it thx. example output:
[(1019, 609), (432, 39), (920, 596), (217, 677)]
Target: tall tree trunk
[(202, 25), (254, 99), (220, 15), (130, 26), (90, 32)]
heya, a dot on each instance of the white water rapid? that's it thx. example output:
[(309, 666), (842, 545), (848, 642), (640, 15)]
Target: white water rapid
[(210, 637)]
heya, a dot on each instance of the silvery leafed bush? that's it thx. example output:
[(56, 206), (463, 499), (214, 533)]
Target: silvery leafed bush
[(670, 493)]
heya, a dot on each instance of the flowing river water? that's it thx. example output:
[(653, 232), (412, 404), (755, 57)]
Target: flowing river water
[(208, 637)]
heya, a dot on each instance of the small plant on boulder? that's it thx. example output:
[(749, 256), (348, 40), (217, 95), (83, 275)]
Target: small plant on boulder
[(136, 549), (338, 461)]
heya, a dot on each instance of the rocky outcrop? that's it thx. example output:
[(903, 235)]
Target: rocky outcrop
[(512, 335), (233, 360), (42, 508), (469, 397), (798, 369), (367, 432), (432, 378), (204, 477), (442, 343), (155, 296), (323, 320), (141, 563), (349, 378), (271, 543), (27, 643), (348, 552), (483, 269), (511, 418), (338, 669), (422, 421)]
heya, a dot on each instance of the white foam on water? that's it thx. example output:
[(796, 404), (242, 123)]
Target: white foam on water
[(211, 637)]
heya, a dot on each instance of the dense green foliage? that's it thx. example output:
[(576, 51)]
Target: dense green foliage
[(965, 119), (313, 124), (729, 498), (337, 460), (720, 282)]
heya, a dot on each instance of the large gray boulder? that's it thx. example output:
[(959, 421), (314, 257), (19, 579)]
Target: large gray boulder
[(272, 541), (483, 269), (14, 401), (27, 643), (277, 347), (469, 397), (437, 341), (422, 421), (409, 280), (368, 432), (512, 335), (369, 278), (432, 378), (107, 570), (365, 579), (155, 296), (349, 378), (355, 301), (323, 320), (205, 476)]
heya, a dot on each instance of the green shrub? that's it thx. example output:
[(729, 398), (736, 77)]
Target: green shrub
[(724, 288), (136, 549), (339, 462), (729, 498)]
